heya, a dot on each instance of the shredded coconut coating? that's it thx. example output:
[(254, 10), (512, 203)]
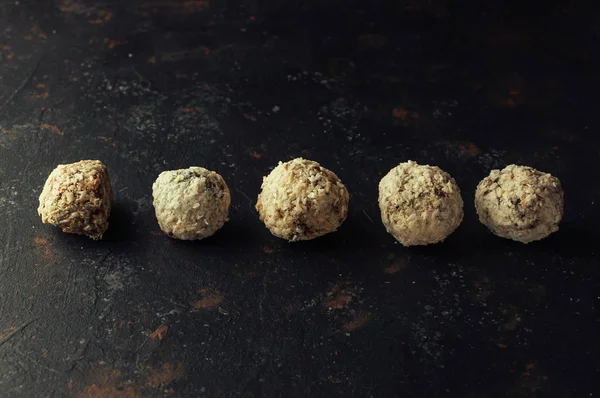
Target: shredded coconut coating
[(419, 205), (191, 203), (301, 200), (77, 198), (520, 203)]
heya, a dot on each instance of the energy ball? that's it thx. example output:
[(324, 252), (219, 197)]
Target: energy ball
[(301, 200), (520, 203), (419, 205), (77, 198), (191, 203)]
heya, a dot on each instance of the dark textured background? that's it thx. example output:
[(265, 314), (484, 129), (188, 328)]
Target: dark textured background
[(234, 86)]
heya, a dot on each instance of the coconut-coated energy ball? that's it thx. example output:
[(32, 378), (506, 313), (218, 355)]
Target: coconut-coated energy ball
[(77, 198), (520, 203), (301, 200), (191, 203), (419, 204)]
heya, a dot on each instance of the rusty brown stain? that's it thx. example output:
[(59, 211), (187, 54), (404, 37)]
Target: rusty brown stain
[(188, 110), (394, 268), (8, 133), (529, 366), (403, 114), (532, 379), (255, 154), (44, 248), (211, 299), (99, 16), (52, 128), (111, 383), (185, 6), (195, 6), (267, 249), (167, 374), (399, 113), (43, 95), (40, 241), (371, 41), (159, 333), (7, 331), (469, 149), (40, 85), (111, 391), (107, 140), (508, 36), (10, 56), (514, 91), (339, 296), (28, 37), (249, 117), (110, 43), (358, 322), (69, 6)]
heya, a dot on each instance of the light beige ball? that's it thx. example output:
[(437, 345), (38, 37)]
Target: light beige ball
[(191, 203), (301, 200), (520, 203), (419, 204), (77, 198)]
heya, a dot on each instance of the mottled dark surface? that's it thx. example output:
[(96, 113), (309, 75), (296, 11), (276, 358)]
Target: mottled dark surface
[(147, 86)]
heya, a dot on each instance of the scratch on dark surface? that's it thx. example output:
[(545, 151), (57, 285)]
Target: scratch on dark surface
[(23, 84), (96, 286), (250, 202), (17, 330), (367, 215), (139, 75), (80, 357), (37, 362), (262, 297), (174, 302)]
